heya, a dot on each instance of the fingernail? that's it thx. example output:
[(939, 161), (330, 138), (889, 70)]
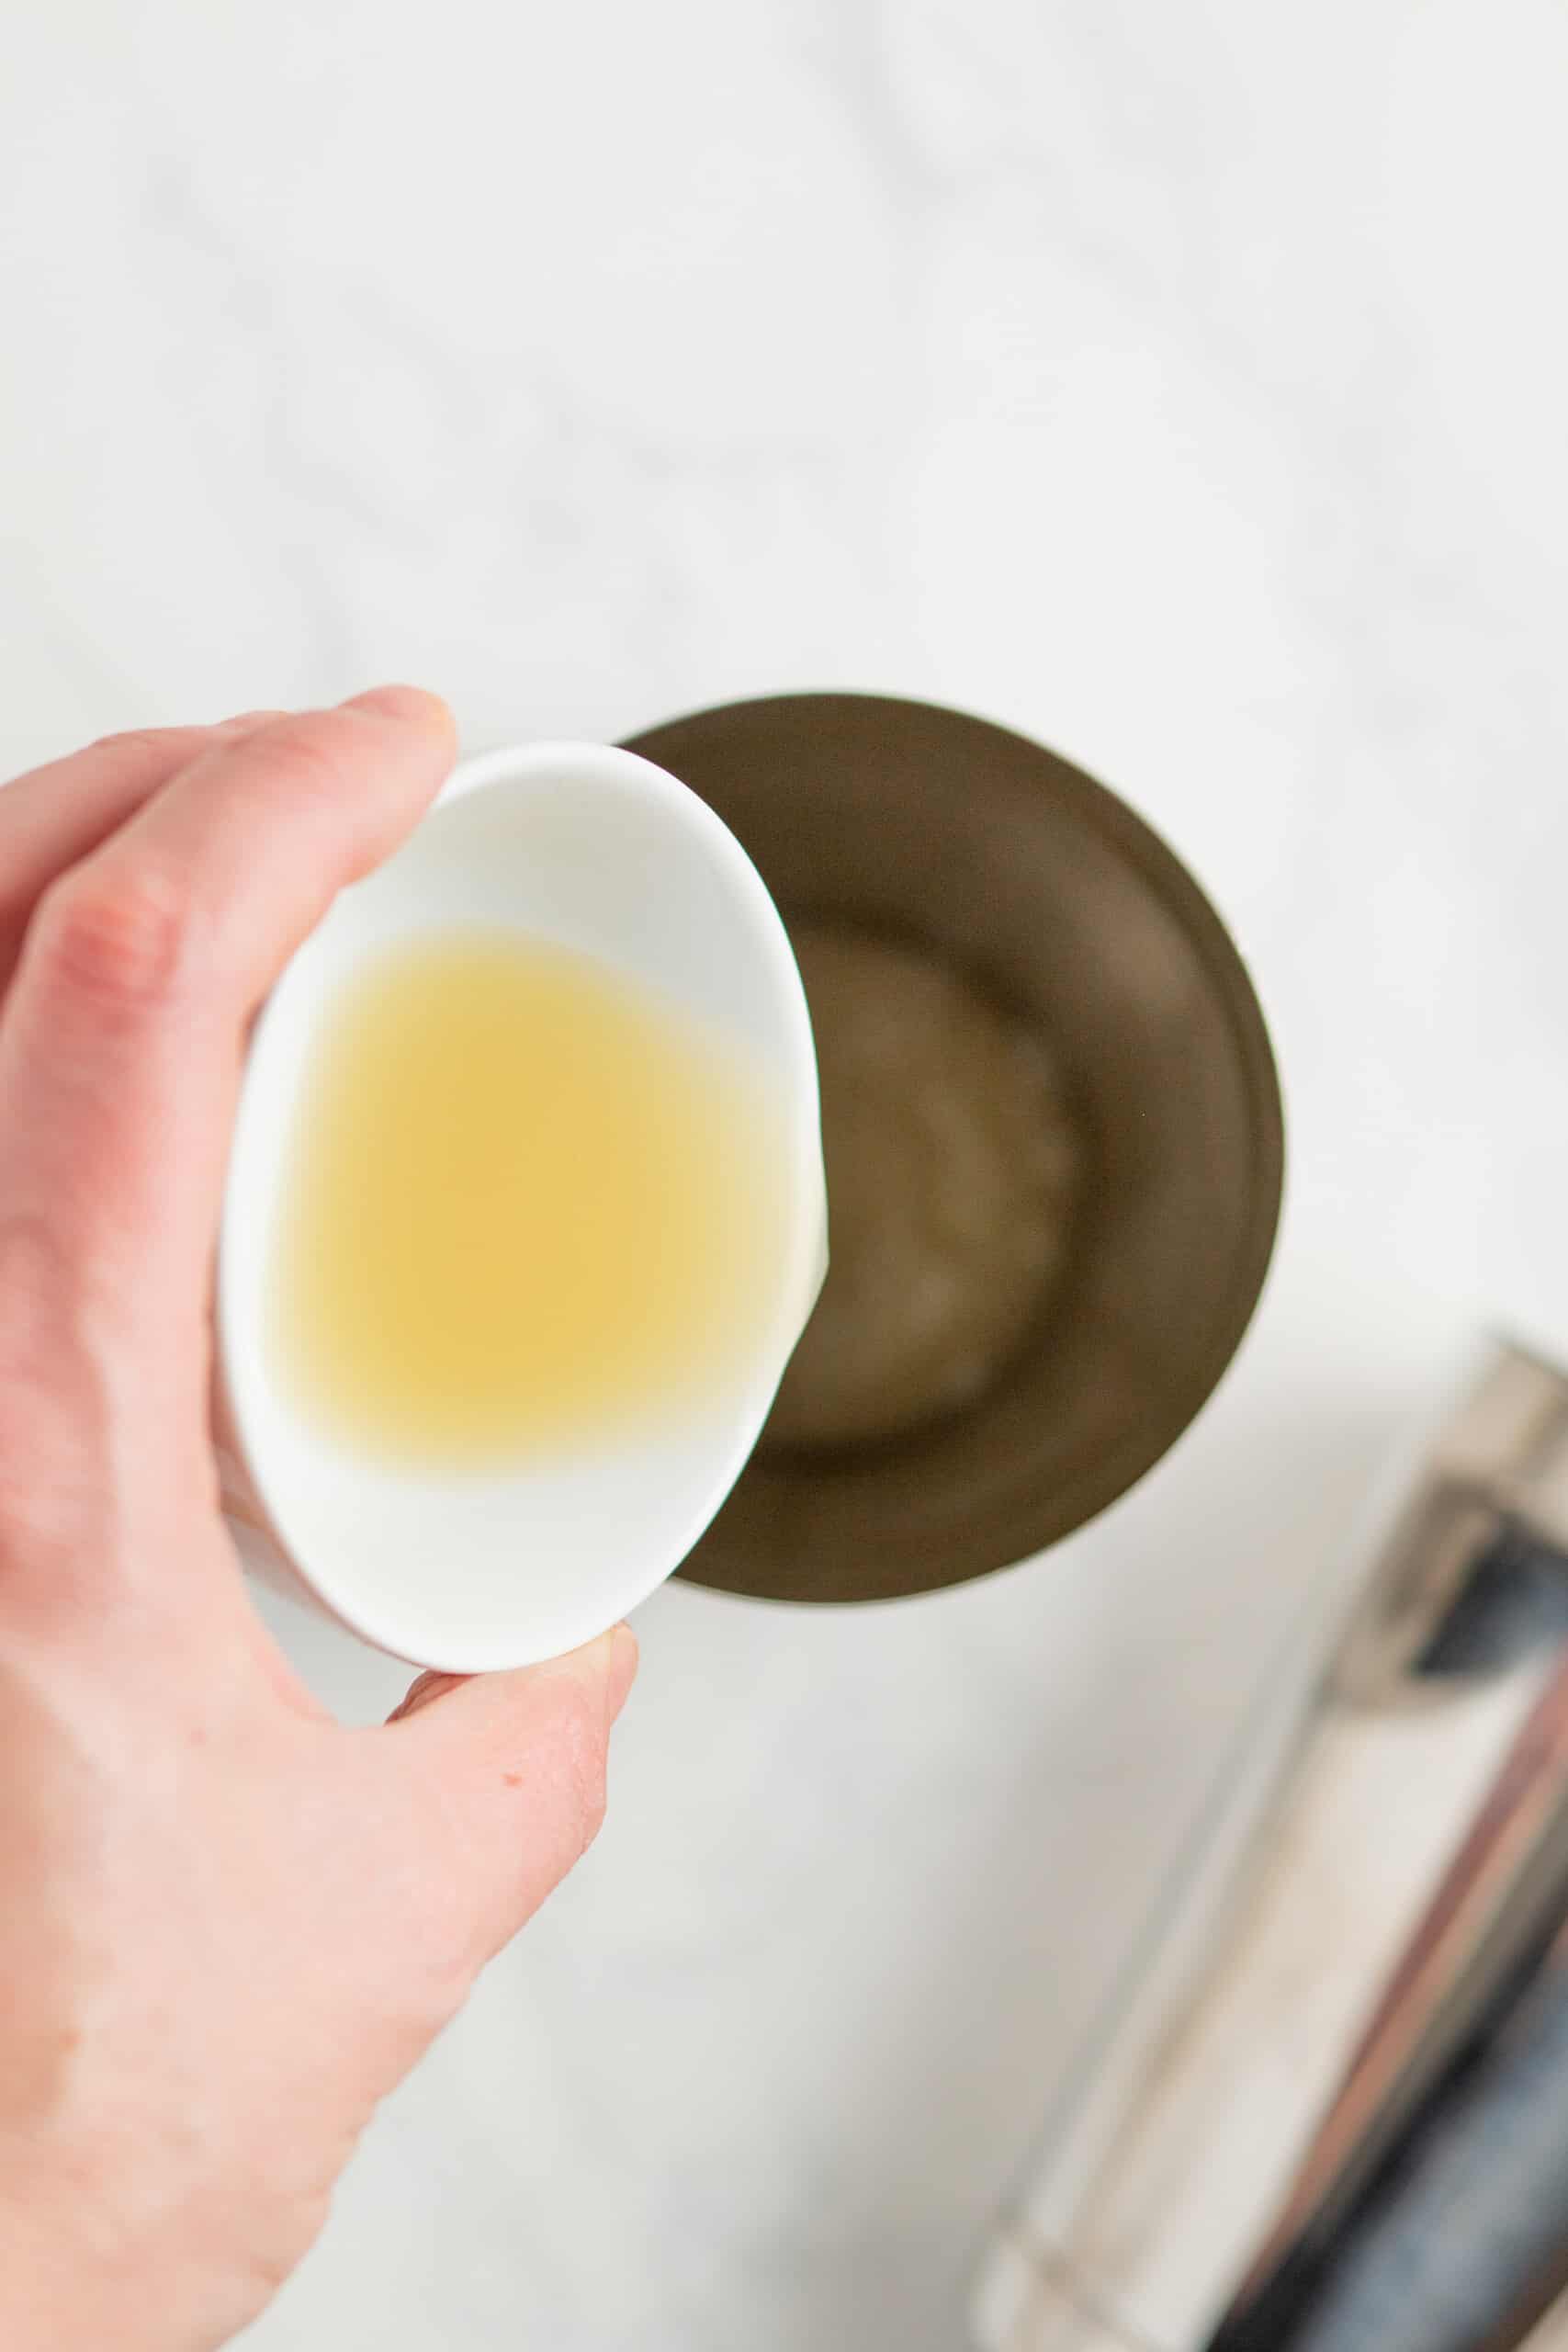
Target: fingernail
[(429, 1687), (411, 704), (247, 721)]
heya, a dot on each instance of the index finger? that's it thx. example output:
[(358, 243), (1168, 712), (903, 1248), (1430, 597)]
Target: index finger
[(55, 815), (124, 1030)]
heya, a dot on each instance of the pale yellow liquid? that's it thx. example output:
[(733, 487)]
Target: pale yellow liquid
[(525, 1205)]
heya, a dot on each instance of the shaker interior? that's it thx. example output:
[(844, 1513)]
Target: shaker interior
[(1014, 867), (954, 1155)]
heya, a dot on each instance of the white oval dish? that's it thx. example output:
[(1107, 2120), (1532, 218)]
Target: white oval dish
[(470, 1569)]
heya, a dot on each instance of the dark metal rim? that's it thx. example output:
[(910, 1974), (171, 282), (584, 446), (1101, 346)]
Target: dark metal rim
[(1170, 880)]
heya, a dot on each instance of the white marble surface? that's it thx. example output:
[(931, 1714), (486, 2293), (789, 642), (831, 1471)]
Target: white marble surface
[(1184, 385)]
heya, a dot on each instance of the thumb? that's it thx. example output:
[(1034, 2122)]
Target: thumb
[(505, 1775)]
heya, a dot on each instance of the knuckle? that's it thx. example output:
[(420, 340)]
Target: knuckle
[(115, 933)]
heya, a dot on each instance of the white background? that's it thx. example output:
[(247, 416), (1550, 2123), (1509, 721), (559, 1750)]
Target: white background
[(1182, 383)]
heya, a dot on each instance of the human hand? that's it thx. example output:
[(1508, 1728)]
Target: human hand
[(227, 1925)]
